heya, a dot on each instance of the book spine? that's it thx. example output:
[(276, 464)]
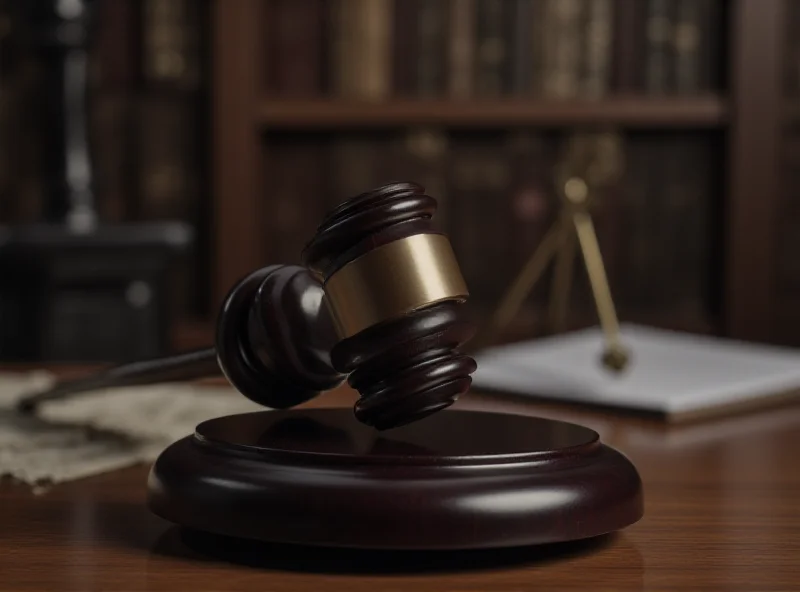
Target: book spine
[(671, 280), (531, 204), (537, 46), (522, 68), (480, 177), (115, 67), (112, 138), (168, 147), (711, 25), (464, 181), (422, 154), (461, 48), (171, 43), (628, 46), (355, 163), (686, 37), (597, 48), (346, 65), (115, 52), (165, 151), (294, 197), (642, 184), (492, 48), (294, 52), (660, 27), (21, 132), (432, 36), (689, 216), (374, 18), (562, 49), (656, 240), (495, 217), (405, 50)]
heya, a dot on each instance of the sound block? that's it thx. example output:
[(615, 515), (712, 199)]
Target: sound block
[(455, 480)]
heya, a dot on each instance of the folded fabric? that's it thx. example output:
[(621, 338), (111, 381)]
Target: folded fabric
[(101, 431)]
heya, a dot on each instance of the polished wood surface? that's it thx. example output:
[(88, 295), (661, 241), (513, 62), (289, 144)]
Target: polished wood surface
[(721, 513), (459, 480), (695, 112)]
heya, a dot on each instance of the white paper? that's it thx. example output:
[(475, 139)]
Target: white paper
[(669, 372)]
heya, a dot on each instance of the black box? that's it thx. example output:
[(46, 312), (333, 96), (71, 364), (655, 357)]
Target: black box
[(103, 296)]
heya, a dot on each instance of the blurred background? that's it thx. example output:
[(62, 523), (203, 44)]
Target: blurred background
[(218, 133)]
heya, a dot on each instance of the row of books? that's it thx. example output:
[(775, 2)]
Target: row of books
[(561, 49), (498, 196), (148, 102), (151, 107)]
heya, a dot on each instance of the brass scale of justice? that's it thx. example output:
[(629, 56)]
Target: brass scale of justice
[(592, 162), (326, 477)]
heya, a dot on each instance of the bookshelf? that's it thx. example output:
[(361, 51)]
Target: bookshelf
[(194, 118), (743, 120), (630, 112)]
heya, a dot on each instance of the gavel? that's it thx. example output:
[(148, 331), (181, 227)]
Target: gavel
[(379, 301)]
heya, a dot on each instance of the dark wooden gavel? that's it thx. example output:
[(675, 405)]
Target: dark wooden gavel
[(379, 302)]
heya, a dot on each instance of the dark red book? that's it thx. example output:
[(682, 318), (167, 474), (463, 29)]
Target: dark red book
[(294, 48), (405, 50), (628, 46), (293, 198)]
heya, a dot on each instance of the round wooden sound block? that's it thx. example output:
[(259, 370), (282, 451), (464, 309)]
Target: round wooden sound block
[(455, 480)]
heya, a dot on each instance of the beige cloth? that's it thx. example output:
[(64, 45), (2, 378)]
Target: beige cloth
[(101, 431)]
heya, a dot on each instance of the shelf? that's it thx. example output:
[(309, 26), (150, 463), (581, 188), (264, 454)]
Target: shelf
[(700, 112)]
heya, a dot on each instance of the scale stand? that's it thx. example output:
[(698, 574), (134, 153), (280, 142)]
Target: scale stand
[(592, 162)]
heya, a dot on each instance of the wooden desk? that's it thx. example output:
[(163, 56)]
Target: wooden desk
[(722, 512)]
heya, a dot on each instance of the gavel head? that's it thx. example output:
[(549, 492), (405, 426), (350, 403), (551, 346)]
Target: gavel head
[(395, 293), (381, 302)]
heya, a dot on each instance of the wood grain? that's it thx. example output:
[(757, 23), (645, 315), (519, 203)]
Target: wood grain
[(700, 112), (721, 513), (753, 169)]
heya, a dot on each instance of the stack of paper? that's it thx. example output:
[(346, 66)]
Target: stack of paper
[(676, 375)]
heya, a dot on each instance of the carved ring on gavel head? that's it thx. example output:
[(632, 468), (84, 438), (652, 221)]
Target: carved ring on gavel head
[(380, 303)]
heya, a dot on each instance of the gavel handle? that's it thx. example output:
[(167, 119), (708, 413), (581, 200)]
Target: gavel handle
[(185, 366)]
